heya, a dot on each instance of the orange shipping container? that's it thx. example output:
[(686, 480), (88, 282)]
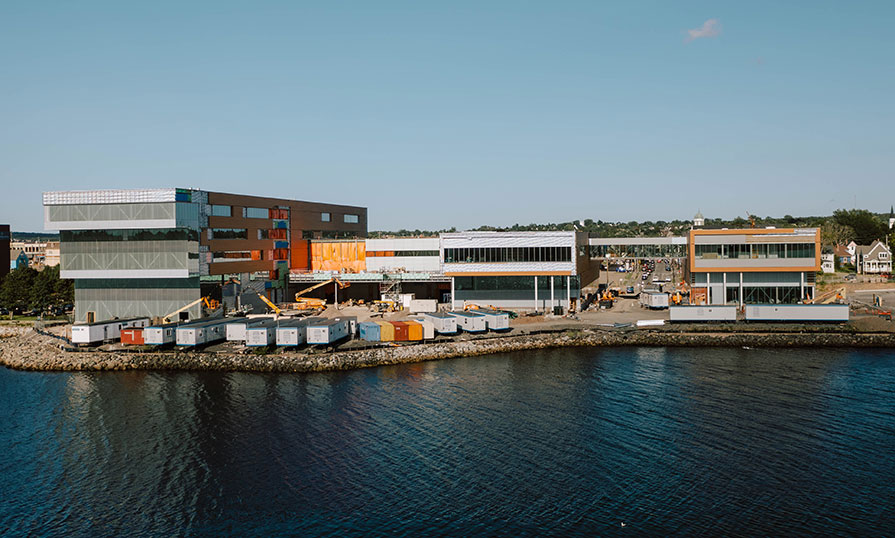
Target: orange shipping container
[(414, 331)]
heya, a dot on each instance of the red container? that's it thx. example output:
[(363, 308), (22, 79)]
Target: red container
[(402, 331), (133, 337)]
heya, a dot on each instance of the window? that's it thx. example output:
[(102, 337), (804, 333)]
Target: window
[(232, 256), (229, 233), (325, 217), (351, 219), (221, 210), (257, 213)]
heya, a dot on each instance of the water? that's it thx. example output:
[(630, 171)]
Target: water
[(563, 442)]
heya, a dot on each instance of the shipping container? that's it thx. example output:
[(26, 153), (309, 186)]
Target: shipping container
[(654, 300), (428, 328), (469, 322), (401, 332), (703, 313), (132, 337), (158, 335), (327, 332), (204, 332), (423, 305), (236, 329), (414, 331), (495, 320), (797, 312), (294, 332), (386, 331), (369, 331), (444, 323)]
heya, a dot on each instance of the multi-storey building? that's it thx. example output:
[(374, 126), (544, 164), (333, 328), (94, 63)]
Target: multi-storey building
[(753, 266), (537, 270), (143, 252)]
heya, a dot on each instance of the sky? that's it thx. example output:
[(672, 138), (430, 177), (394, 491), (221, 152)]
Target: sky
[(441, 114)]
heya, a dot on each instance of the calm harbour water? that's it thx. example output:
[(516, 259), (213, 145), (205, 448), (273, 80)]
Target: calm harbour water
[(563, 442)]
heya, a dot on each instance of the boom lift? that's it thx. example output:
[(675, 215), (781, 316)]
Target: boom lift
[(210, 304), (338, 282)]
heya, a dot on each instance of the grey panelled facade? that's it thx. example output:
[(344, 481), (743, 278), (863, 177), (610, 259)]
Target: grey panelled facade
[(142, 252)]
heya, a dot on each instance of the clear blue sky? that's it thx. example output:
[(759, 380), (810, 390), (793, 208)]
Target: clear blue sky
[(439, 114)]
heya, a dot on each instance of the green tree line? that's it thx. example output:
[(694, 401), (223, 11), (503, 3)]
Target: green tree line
[(26, 288)]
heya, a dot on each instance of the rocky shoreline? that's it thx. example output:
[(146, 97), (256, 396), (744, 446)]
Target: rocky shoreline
[(29, 350)]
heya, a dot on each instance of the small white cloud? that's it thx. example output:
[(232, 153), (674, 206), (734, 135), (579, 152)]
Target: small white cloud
[(710, 28)]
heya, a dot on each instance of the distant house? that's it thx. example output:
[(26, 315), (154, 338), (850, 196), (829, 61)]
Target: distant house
[(828, 261), (842, 255), (19, 260), (852, 248), (874, 259)]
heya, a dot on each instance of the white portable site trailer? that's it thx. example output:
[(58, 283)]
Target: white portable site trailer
[(423, 305), (327, 332), (495, 320), (469, 322), (703, 313), (294, 332), (203, 332), (797, 312), (158, 335), (96, 333), (444, 323), (262, 334), (653, 300), (236, 329), (352, 324), (428, 327)]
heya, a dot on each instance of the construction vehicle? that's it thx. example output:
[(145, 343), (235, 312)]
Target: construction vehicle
[(210, 304), (676, 298), (384, 306), (335, 280), (276, 310)]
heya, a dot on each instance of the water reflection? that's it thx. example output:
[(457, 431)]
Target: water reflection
[(571, 442)]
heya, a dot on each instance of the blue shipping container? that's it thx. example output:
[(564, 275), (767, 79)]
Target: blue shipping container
[(369, 331)]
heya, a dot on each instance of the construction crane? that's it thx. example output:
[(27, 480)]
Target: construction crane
[(751, 218)]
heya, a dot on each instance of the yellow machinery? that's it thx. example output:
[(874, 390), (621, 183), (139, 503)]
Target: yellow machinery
[(210, 304), (275, 308), (338, 283)]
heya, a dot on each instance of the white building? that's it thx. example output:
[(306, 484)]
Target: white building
[(874, 259), (409, 255), (828, 262), (538, 270), (698, 220)]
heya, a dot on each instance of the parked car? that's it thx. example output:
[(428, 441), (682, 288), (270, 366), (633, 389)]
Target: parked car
[(851, 277)]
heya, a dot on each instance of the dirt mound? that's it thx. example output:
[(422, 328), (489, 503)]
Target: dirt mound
[(873, 324)]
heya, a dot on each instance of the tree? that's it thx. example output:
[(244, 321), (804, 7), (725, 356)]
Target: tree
[(832, 233), (867, 226), (16, 289)]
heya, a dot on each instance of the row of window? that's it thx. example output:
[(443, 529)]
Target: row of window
[(170, 234), (347, 218), (237, 256), (400, 253), (754, 251), (249, 212), (507, 254), (228, 233)]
